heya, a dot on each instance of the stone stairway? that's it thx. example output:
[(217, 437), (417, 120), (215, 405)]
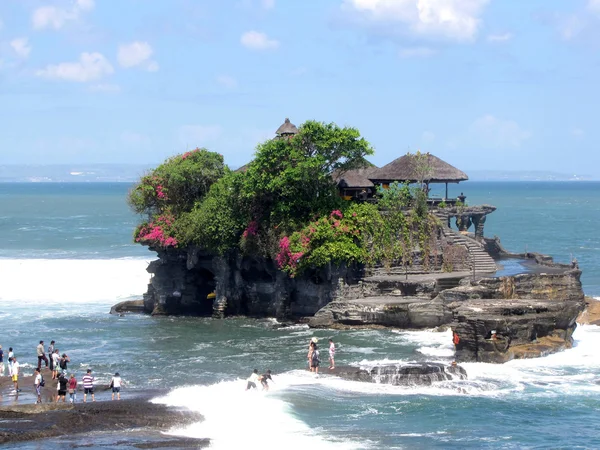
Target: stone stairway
[(479, 260)]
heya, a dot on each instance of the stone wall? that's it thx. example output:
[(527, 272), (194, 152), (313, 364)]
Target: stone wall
[(249, 286)]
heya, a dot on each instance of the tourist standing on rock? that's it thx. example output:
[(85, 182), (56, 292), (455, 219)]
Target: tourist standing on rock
[(64, 359), (314, 358), (1, 361), (41, 354), (72, 388), (312, 342), (11, 356), (88, 385), (115, 384), (37, 383), (50, 353), (331, 354), (55, 364), (455, 339), (62, 387), (15, 373)]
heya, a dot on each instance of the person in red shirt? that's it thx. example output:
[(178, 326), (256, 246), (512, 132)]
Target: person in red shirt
[(72, 389), (455, 339)]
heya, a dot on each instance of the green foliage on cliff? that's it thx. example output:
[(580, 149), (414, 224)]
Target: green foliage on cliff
[(217, 222), (177, 183), (289, 180), (285, 206)]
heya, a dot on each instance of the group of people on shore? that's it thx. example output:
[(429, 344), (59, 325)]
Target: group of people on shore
[(57, 364)]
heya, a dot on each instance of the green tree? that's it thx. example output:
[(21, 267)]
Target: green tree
[(289, 181), (178, 183), (216, 222)]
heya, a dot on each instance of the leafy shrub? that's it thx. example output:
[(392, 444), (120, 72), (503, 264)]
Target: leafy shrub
[(217, 222), (178, 183), (396, 196)]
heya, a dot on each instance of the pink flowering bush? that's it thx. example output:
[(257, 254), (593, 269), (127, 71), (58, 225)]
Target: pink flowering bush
[(335, 238), (251, 230), (158, 233)]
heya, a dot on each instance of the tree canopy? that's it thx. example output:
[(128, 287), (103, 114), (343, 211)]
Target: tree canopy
[(290, 180), (285, 206)]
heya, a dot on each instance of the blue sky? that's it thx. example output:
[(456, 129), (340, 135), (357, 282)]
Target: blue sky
[(496, 84)]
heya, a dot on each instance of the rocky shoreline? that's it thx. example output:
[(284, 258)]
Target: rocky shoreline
[(22, 420)]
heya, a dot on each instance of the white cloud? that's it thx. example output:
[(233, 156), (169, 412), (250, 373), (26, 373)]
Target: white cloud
[(577, 132), (134, 138), (492, 132), (428, 137), (299, 71), (90, 67), (56, 17), (137, 54), (256, 40), (594, 6), (192, 136), (500, 37), (85, 5), (105, 87), (416, 52), (447, 19), (227, 81), (257, 4), (21, 47)]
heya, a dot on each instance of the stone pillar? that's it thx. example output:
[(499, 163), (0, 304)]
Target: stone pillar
[(463, 222), (479, 222), (219, 307)]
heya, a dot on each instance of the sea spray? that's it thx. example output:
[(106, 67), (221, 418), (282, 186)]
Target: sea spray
[(72, 281), (235, 418)]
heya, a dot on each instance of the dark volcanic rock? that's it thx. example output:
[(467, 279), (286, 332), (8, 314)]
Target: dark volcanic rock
[(30, 422), (398, 311), (591, 314), (516, 322), (128, 306), (414, 374)]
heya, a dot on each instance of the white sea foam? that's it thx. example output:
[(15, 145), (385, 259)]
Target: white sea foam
[(572, 371), (433, 343), (72, 281), (254, 419)]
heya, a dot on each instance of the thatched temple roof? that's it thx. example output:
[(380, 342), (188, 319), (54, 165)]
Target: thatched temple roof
[(287, 128), (406, 168), (356, 178)]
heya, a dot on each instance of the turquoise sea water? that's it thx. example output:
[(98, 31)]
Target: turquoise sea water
[(67, 256)]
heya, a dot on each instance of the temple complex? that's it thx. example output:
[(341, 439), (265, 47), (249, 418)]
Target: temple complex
[(502, 305)]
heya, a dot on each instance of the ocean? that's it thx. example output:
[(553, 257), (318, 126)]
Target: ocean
[(66, 256)]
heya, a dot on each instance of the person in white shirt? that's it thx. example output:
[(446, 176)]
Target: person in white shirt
[(331, 354), (55, 364), (15, 373), (252, 380), (11, 355), (38, 385), (115, 383)]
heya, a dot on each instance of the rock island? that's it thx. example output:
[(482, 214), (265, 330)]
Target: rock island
[(310, 230)]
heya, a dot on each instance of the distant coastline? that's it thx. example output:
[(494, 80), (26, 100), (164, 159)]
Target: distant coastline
[(526, 175), (129, 173)]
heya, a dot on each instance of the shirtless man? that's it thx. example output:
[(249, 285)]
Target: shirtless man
[(263, 379)]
